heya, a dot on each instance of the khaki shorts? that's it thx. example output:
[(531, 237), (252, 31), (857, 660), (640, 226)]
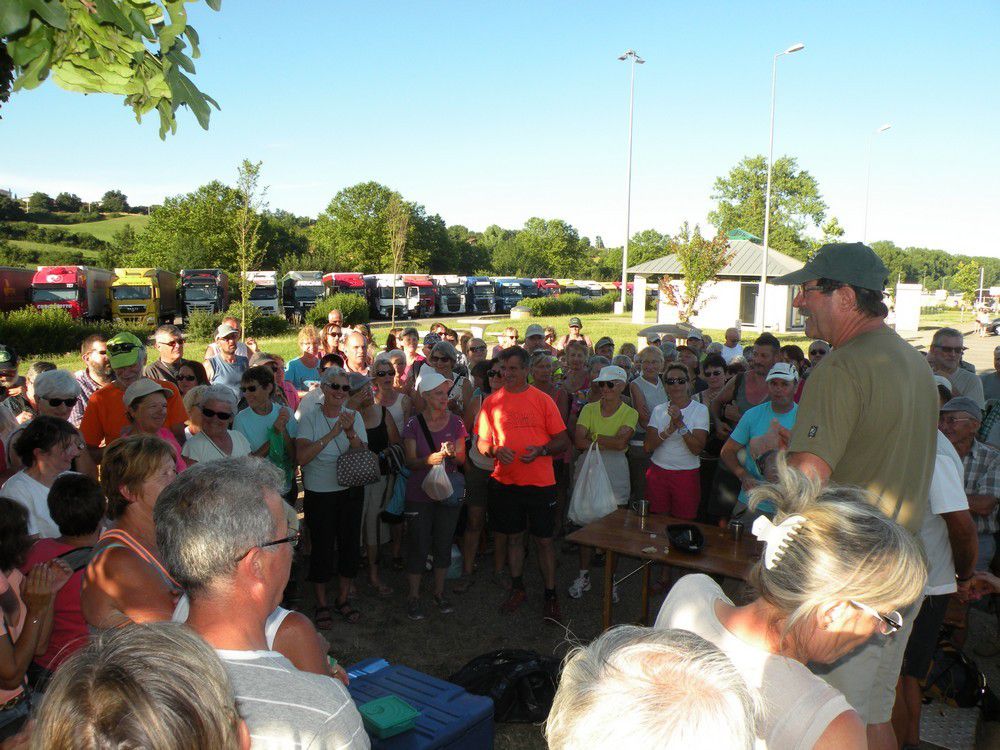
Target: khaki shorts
[(867, 677)]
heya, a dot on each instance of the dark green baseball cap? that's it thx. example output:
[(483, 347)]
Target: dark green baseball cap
[(848, 262)]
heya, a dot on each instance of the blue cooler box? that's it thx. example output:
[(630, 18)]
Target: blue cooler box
[(449, 717)]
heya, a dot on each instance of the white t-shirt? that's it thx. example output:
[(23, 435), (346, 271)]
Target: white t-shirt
[(320, 474), (34, 496), (673, 454), (729, 353), (796, 705), (946, 495), (200, 448)]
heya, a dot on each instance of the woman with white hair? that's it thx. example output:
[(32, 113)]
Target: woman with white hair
[(834, 573), (216, 440)]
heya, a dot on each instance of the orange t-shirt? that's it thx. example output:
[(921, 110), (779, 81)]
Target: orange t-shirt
[(105, 417), (515, 421)]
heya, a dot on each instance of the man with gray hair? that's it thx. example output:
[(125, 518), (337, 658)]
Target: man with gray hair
[(223, 534), (945, 358), (645, 688)]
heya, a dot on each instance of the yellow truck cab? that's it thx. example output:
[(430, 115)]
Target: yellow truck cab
[(147, 296)]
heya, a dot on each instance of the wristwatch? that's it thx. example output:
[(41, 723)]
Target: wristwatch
[(545, 450), (682, 431)]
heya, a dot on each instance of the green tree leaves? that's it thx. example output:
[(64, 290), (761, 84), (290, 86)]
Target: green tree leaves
[(132, 48)]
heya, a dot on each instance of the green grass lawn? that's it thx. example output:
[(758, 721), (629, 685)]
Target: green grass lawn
[(44, 247), (105, 229)]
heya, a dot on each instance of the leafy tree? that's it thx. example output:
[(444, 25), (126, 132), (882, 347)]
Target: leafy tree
[(398, 226), (471, 256), (15, 255), (39, 203), (796, 203), (647, 245), (700, 261), (966, 281), (132, 48), (114, 201), (832, 231), (68, 202), (246, 228), (10, 209)]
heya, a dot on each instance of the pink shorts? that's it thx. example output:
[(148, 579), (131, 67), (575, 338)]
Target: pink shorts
[(675, 492)]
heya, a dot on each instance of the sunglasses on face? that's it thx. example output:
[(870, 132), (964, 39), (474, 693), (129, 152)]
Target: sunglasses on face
[(493, 374), (122, 348), (56, 402), (250, 388), (334, 387), (383, 373), (606, 384), (714, 373), (477, 348), (187, 378), (676, 381), (951, 349), (225, 416), (172, 344), (817, 352), (440, 359)]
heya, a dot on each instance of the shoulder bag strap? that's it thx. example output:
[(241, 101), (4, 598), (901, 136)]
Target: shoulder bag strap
[(427, 432)]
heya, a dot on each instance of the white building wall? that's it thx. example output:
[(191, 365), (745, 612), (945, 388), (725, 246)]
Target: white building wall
[(719, 306)]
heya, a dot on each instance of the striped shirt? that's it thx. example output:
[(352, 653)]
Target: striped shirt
[(286, 708)]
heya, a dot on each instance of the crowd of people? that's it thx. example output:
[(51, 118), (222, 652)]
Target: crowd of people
[(138, 495)]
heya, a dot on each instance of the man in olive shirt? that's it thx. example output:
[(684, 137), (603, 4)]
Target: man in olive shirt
[(867, 417)]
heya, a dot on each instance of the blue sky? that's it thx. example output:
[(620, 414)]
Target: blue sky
[(496, 112)]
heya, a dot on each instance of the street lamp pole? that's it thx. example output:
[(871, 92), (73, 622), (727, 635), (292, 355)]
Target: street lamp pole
[(868, 181), (762, 289), (634, 58)]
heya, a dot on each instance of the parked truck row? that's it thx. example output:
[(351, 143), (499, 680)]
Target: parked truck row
[(149, 296)]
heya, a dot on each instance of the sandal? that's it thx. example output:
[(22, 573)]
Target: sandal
[(349, 613), (323, 619)]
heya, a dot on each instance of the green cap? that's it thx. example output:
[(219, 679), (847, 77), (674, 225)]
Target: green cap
[(124, 350), (575, 321), (8, 357), (848, 262)]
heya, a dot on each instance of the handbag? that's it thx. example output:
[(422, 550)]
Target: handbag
[(357, 467), (449, 489)]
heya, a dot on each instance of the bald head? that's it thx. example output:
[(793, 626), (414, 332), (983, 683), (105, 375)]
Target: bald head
[(356, 347)]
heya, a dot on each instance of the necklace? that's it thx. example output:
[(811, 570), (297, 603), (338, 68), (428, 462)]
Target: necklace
[(212, 441)]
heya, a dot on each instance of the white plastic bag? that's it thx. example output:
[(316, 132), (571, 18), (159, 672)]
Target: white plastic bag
[(593, 497), (437, 483)]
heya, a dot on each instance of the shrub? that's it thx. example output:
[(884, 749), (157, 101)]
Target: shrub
[(354, 308), (258, 324), (201, 325), (574, 304), (52, 331)]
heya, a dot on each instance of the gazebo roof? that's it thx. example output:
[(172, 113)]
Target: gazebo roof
[(746, 261)]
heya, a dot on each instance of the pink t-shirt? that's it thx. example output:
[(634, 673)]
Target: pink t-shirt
[(69, 629)]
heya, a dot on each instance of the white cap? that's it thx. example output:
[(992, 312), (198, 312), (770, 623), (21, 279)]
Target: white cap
[(938, 380), (610, 374), (783, 371), (429, 380)]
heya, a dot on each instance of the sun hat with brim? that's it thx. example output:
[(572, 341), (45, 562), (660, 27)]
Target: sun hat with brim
[(782, 371), (695, 334), (225, 330), (143, 387), (611, 373), (124, 350), (534, 330), (604, 341), (847, 262), (431, 339), (575, 322), (430, 380), (942, 381), (356, 381), (966, 404)]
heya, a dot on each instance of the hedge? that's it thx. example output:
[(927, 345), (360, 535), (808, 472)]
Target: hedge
[(574, 304), (354, 308), (52, 331), (200, 326)]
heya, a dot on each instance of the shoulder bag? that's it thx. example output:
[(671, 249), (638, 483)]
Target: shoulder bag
[(357, 467)]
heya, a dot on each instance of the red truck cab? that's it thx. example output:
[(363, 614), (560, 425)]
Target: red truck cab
[(83, 292), (344, 283), (428, 294)]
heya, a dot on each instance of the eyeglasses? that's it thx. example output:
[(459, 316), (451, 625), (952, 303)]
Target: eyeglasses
[(607, 384), (225, 416), (248, 388), (440, 359), (175, 344), (951, 349), (293, 540), (56, 402), (948, 421), (493, 373), (676, 381), (807, 289), (187, 378), (333, 334), (549, 337), (477, 348), (383, 373), (334, 387), (123, 347), (714, 373), (888, 624), (815, 352)]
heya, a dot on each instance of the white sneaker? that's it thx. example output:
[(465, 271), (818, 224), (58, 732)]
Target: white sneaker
[(581, 584), (614, 594)]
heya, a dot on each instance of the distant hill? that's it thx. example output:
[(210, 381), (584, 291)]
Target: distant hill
[(105, 229)]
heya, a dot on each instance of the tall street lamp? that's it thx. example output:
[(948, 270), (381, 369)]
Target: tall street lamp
[(633, 57), (868, 181), (762, 289)]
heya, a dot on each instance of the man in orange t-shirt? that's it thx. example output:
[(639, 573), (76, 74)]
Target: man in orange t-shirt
[(520, 428), (105, 416)]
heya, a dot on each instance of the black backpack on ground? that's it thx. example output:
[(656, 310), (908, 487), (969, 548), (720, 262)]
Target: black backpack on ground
[(521, 683), (954, 679)]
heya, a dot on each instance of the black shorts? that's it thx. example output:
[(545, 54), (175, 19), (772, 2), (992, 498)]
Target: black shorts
[(514, 508), (924, 638)]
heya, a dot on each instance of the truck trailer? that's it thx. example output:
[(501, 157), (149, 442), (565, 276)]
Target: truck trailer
[(480, 294), (264, 292), (300, 291), (82, 291), (450, 293), (15, 288), (146, 296), (387, 294), (205, 289)]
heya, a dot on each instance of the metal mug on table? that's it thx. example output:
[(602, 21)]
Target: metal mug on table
[(641, 508), (736, 527)]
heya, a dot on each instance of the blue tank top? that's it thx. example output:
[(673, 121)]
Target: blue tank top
[(229, 374)]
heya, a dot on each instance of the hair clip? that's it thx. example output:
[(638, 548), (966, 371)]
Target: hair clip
[(775, 537)]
